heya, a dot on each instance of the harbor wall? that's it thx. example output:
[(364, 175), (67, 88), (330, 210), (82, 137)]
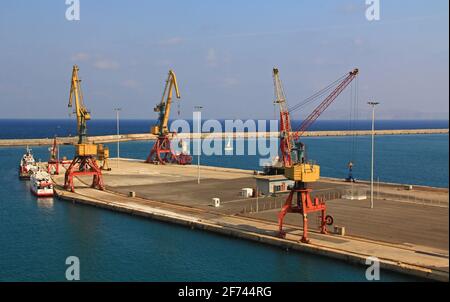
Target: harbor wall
[(144, 136), (234, 231)]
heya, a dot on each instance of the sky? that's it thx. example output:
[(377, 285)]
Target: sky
[(223, 53)]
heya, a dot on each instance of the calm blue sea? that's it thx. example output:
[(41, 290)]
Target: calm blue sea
[(27, 128), (36, 235)]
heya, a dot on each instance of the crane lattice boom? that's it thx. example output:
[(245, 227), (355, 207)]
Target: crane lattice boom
[(291, 149), (312, 117), (76, 96), (286, 143), (163, 108)]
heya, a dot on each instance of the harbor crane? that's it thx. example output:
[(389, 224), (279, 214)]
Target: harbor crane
[(53, 162), (162, 153), (84, 163), (293, 155)]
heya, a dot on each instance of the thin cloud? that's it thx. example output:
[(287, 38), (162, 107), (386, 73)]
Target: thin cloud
[(171, 41), (105, 64), (228, 82), (383, 22), (132, 84), (80, 57), (211, 57), (351, 7), (163, 62)]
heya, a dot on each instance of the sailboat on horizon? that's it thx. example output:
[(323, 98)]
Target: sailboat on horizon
[(229, 146)]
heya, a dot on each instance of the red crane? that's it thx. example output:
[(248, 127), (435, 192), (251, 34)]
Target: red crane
[(289, 139), (295, 166)]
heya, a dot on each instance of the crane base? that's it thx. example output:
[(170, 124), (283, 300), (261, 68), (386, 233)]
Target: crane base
[(304, 205), (53, 167), (162, 153), (81, 166)]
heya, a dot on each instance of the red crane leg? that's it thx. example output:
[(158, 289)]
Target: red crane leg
[(86, 166), (284, 210), (305, 229), (304, 205), (323, 222), (162, 153)]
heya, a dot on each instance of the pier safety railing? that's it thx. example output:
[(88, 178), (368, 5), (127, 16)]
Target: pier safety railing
[(411, 197), (276, 202)]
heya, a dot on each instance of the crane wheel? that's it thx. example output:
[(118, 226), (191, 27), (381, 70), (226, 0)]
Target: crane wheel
[(329, 220)]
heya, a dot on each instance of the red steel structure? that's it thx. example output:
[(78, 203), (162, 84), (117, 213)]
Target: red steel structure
[(162, 153), (84, 166), (288, 138), (304, 205), (294, 161), (53, 162), (313, 116)]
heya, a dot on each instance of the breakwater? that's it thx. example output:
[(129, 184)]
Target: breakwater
[(145, 136)]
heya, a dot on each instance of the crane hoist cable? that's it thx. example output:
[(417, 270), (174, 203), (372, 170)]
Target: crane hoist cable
[(316, 95), (356, 112), (314, 115), (353, 118), (351, 122), (290, 146)]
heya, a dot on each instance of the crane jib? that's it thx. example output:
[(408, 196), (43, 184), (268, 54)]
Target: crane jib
[(289, 145), (326, 103)]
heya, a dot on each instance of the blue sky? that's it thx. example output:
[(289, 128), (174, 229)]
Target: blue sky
[(223, 53)]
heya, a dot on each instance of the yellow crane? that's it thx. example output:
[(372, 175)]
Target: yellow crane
[(81, 112), (84, 162), (83, 115), (162, 152), (163, 108)]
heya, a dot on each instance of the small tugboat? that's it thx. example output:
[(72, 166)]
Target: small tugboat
[(41, 184), (27, 165)]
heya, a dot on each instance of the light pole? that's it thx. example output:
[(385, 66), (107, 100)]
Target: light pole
[(199, 142), (118, 135), (373, 104)]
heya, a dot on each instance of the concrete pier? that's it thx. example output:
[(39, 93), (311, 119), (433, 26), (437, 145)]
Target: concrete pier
[(408, 237), (144, 136)]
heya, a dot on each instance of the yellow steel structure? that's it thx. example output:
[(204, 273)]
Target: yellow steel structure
[(85, 149), (103, 156), (82, 114), (303, 172), (84, 162), (163, 108)]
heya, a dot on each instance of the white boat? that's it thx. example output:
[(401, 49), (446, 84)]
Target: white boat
[(27, 165), (229, 146), (184, 147), (41, 184)]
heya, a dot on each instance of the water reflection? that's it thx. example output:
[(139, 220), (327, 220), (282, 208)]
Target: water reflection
[(45, 203)]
